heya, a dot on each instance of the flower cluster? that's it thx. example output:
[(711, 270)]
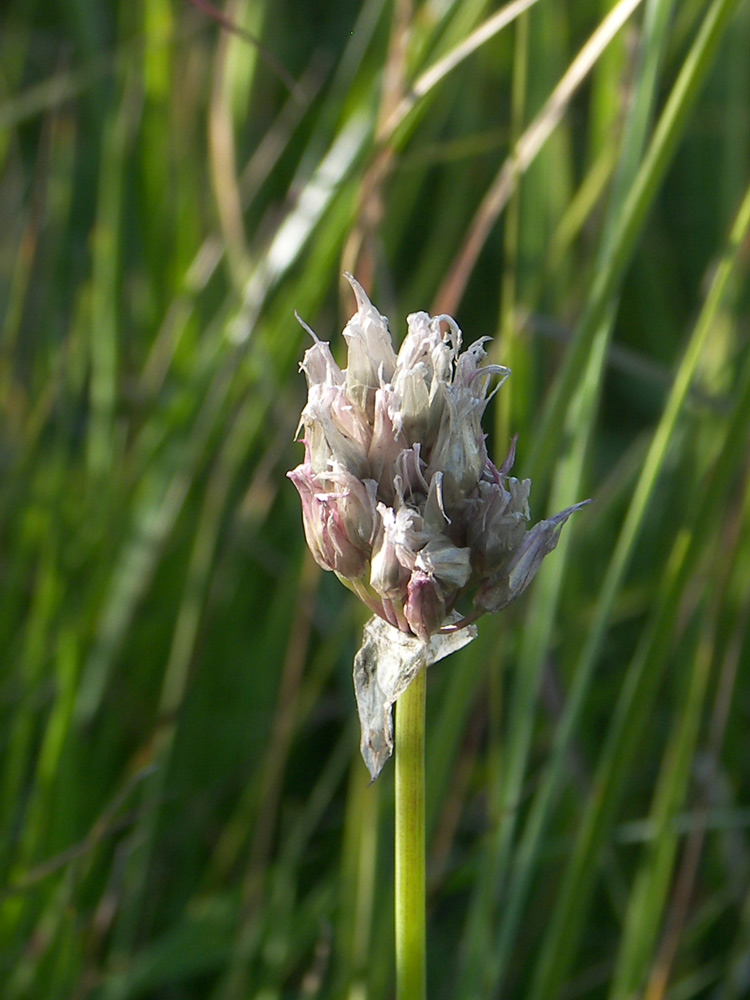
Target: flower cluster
[(399, 496)]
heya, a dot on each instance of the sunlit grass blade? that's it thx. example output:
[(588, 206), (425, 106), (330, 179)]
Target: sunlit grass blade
[(537, 635), (627, 728), (631, 217)]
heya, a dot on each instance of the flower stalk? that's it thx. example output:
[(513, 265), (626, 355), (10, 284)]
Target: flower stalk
[(410, 842)]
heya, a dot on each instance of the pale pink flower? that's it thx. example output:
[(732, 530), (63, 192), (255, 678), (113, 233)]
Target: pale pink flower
[(399, 497)]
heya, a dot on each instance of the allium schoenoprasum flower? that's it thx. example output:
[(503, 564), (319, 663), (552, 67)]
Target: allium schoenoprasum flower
[(399, 496)]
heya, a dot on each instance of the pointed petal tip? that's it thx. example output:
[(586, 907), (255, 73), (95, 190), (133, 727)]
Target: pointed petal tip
[(559, 519), (359, 293), (581, 503), (305, 326)]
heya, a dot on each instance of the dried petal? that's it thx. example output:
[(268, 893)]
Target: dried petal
[(388, 440), (398, 539), (386, 664)]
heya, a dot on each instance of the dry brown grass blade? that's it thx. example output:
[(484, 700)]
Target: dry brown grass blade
[(524, 153)]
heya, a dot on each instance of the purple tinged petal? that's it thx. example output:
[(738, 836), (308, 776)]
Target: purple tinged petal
[(508, 461), (425, 606), (398, 539), (502, 588), (440, 571), (356, 501), (338, 514), (313, 516), (445, 562), (393, 613), (388, 440)]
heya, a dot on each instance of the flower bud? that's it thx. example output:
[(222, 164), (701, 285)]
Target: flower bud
[(425, 606), (338, 514)]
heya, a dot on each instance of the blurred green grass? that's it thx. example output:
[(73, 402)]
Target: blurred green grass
[(184, 810)]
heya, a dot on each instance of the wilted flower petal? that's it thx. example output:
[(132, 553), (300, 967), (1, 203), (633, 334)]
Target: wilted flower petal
[(441, 559), (435, 515), (505, 586), (336, 430), (318, 363), (440, 570), (459, 451), (423, 338), (413, 386), (371, 357), (496, 525), (398, 539), (471, 374), (409, 473), (388, 439)]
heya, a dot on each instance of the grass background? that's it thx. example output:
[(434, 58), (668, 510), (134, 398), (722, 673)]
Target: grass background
[(184, 811)]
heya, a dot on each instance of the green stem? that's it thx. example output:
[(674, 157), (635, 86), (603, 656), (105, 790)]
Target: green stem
[(410, 842)]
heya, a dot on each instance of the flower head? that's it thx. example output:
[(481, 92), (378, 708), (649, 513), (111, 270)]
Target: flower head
[(399, 496)]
